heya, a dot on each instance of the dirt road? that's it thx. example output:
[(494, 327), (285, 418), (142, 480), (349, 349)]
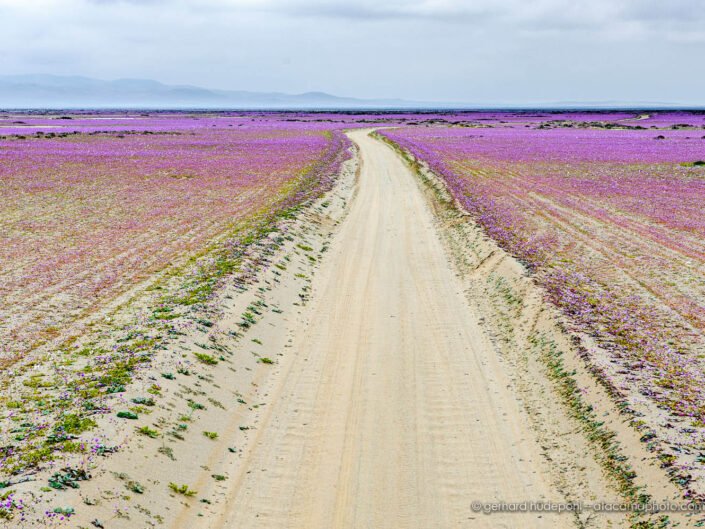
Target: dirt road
[(392, 412)]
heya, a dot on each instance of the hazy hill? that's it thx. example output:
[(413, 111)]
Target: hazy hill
[(50, 91)]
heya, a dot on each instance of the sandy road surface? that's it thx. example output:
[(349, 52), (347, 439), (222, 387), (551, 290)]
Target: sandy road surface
[(392, 411)]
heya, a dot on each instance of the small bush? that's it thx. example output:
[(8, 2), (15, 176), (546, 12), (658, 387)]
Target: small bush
[(149, 432), (68, 477), (74, 424), (195, 405), (182, 489), (206, 359), (135, 487)]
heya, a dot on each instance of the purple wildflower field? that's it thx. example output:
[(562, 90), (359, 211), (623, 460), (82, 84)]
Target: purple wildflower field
[(143, 221), (95, 204), (604, 208), (608, 214)]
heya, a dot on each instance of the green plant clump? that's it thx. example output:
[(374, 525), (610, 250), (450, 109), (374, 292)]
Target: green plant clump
[(182, 489), (149, 432), (75, 424), (206, 359), (68, 478)]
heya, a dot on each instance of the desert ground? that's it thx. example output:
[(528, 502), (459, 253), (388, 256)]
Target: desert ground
[(397, 369)]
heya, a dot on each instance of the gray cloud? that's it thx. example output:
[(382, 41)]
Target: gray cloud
[(459, 50), (686, 11), (447, 10), (133, 2), (580, 11), (569, 13)]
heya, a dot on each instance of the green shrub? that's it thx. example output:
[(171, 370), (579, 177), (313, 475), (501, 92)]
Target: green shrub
[(149, 432), (182, 489), (206, 359)]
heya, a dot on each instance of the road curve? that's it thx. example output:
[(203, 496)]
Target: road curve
[(393, 411)]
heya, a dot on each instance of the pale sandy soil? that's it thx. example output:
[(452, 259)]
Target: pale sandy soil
[(404, 387)]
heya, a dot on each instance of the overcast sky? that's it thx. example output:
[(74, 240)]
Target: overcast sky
[(479, 51)]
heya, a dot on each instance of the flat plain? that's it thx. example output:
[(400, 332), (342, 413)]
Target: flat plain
[(350, 319)]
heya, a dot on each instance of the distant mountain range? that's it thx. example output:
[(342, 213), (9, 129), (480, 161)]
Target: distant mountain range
[(51, 91), (54, 91)]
